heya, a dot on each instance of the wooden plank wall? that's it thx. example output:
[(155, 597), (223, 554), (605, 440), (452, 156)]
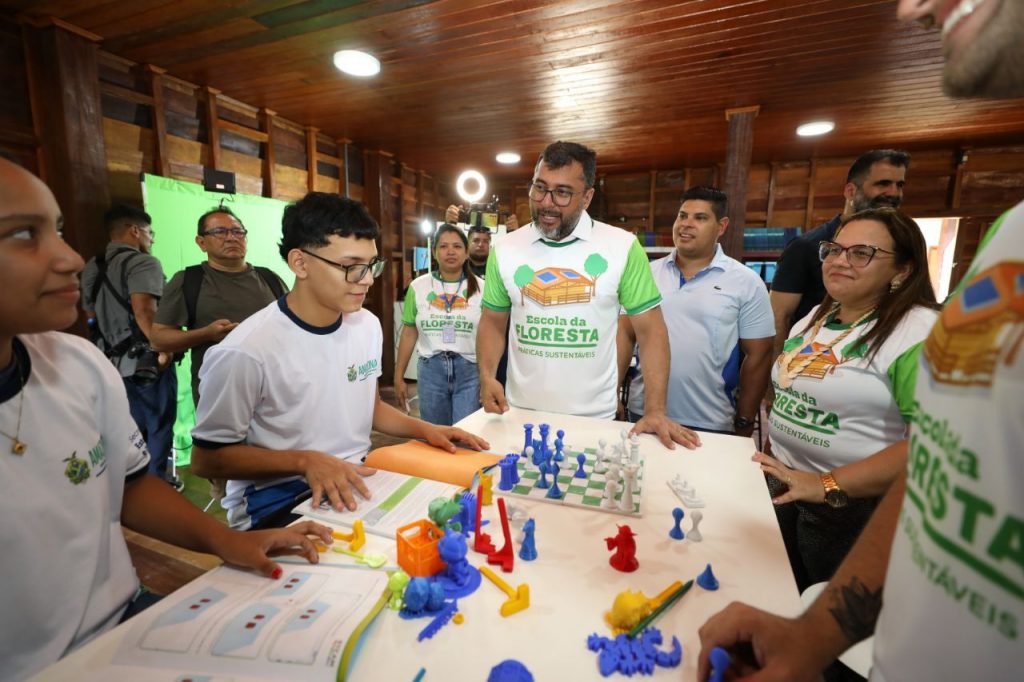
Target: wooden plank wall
[(17, 133), (976, 185)]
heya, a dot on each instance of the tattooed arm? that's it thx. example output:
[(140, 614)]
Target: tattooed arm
[(845, 613)]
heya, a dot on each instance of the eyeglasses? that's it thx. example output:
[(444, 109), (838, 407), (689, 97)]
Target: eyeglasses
[(859, 255), (560, 196), (357, 271), (222, 232)]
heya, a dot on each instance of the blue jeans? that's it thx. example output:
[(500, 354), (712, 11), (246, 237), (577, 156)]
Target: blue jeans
[(448, 387), (154, 408)]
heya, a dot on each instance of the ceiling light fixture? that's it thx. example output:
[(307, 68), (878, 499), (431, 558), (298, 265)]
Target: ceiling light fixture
[(815, 128), (507, 158), (357, 63), (471, 176)]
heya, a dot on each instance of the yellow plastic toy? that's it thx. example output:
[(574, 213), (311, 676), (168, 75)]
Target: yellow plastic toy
[(356, 539), (486, 481), (518, 599), (629, 608)]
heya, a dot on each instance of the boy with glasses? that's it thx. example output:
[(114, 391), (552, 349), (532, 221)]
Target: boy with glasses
[(289, 398), (202, 303)]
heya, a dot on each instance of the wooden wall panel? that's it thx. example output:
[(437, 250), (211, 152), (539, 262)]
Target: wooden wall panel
[(290, 183)]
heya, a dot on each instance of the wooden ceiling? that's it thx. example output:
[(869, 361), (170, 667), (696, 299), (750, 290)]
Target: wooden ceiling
[(644, 82)]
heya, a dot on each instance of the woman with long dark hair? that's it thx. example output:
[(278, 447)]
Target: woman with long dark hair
[(440, 318), (843, 388)]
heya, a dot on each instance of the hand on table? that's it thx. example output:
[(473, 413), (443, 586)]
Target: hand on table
[(764, 647), (253, 549), (804, 486), (667, 431), (335, 478), (492, 396), (443, 437)]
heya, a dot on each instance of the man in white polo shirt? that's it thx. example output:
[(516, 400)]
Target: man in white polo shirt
[(720, 325), (563, 279)]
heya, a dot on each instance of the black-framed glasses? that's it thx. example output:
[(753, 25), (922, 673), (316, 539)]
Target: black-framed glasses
[(859, 255), (223, 232), (357, 271), (560, 196)]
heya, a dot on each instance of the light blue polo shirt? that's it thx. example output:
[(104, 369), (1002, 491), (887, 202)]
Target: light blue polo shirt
[(706, 318)]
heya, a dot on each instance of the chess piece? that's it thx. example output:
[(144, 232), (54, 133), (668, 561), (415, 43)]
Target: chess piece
[(677, 530), (611, 487), (694, 534), (628, 480)]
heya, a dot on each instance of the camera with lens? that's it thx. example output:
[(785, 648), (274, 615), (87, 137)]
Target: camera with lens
[(147, 362), (481, 215)]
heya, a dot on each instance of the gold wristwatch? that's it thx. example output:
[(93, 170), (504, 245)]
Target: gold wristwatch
[(835, 496)]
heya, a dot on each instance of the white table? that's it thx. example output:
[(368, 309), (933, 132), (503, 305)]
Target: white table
[(571, 582)]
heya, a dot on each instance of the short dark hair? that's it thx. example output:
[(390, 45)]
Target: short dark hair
[(121, 215), (714, 196), (862, 166), (214, 211), (561, 154), (310, 221)]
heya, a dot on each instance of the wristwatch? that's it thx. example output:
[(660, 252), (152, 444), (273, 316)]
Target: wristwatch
[(835, 496), (742, 423)]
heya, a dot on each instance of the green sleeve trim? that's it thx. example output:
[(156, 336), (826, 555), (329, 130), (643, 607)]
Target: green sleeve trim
[(409, 309), (495, 295), (643, 308), (497, 309), (637, 289), (903, 377), (792, 343)]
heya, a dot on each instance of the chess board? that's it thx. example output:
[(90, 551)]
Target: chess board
[(587, 493)]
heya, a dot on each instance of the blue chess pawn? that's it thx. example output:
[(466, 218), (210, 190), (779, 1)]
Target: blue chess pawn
[(707, 579), (554, 492), (677, 532), (720, 662), (542, 482), (581, 459), (558, 450)]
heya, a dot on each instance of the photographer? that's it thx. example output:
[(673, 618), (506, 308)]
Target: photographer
[(120, 290)]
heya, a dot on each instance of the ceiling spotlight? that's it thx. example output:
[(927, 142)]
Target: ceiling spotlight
[(815, 128), (357, 63), (507, 157), (471, 176)]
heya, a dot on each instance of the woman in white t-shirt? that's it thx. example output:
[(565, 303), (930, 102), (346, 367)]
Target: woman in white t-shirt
[(73, 466), (440, 318), (844, 388)]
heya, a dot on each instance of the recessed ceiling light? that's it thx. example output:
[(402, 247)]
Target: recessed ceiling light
[(815, 128), (357, 63), (507, 157)]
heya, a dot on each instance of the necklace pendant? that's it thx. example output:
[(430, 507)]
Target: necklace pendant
[(18, 448)]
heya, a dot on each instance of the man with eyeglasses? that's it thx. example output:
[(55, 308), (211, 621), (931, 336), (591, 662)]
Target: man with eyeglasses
[(562, 280), (202, 303), (288, 399), (120, 291), (875, 179)]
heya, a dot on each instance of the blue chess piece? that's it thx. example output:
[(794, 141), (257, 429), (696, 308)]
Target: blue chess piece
[(707, 579), (528, 550), (554, 492), (720, 662), (677, 532), (581, 459), (528, 440), (538, 453), (558, 450), (507, 466), (542, 482)]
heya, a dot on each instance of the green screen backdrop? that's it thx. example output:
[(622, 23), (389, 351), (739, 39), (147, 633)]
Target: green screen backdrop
[(175, 207)]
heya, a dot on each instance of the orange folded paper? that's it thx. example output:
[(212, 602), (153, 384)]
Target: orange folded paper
[(416, 458)]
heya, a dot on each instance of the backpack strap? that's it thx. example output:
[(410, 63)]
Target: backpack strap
[(102, 280), (190, 287), (272, 280)]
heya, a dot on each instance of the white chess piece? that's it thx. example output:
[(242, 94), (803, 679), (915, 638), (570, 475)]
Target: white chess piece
[(694, 533), (613, 470), (629, 479), (610, 488), (529, 454), (634, 449)]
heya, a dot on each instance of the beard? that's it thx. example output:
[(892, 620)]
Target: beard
[(993, 64), (563, 229), (862, 203)]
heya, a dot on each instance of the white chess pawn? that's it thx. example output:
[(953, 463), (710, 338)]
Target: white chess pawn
[(613, 470), (694, 533), (610, 488), (629, 478)]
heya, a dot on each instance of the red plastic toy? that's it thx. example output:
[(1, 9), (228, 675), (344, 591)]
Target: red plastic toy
[(504, 556), (624, 545)]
